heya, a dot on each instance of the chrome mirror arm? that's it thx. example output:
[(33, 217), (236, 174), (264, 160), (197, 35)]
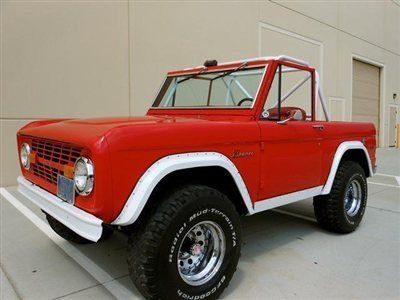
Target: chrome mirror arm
[(296, 116), (283, 122)]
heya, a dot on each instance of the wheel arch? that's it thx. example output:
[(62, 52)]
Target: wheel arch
[(358, 156), (182, 169), (354, 151)]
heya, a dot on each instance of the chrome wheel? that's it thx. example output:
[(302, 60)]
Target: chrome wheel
[(353, 197), (201, 253)]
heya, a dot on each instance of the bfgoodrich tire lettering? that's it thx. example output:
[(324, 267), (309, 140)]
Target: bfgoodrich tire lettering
[(153, 252), (331, 211)]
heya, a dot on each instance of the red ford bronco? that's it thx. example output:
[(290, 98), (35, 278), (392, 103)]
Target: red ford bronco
[(220, 141)]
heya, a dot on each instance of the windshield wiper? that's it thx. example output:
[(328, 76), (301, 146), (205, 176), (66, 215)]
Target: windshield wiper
[(193, 75), (243, 65), (219, 76)]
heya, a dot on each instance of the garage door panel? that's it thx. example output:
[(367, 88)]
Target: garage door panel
[(371, 81), (366, 118), (365, 90), (366, 93), (365, 106), (366, 72)]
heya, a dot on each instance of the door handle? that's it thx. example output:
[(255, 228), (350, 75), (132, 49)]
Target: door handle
[(318, 126)]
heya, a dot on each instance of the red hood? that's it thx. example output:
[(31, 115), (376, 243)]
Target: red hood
[(88, 131)]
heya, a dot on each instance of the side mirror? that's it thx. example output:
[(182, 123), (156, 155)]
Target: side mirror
[(265, 114), (296, 115)]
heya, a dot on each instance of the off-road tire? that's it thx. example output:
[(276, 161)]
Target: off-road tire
[(70, 235), (153, 250), (330, 209)]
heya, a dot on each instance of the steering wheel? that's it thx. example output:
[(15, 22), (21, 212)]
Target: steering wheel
[(244, 100)]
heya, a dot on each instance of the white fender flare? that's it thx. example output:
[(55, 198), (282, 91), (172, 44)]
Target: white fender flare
[(341, 150), (161, 168)]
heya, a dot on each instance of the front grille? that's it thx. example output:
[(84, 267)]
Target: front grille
[(53, 156), (56, 152), (46, 172)]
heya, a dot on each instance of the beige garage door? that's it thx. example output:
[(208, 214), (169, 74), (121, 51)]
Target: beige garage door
[(366, 93)]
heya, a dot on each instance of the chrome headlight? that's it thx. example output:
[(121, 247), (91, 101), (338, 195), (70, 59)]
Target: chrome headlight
[(24, 155), (84, 176)]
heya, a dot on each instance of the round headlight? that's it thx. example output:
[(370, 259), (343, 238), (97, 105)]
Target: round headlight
[(84, 176), (24, 155)]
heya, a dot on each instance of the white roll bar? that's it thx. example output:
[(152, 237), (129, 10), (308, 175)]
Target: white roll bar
[(293, 59), (318, 85), (292, 90), (320, 95)]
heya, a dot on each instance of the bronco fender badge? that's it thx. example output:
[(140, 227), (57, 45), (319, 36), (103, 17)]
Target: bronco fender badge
[(238, 153)]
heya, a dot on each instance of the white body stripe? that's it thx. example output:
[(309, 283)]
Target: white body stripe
[(343, 147), (286, 199), (149, 180)]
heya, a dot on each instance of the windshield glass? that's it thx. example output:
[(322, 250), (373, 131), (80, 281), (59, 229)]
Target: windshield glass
[(230, 89)]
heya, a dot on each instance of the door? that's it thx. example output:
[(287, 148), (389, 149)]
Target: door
[(366, 94), (392, 126), (290, 138)]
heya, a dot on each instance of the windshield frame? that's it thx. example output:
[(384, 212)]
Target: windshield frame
[(265, 65)]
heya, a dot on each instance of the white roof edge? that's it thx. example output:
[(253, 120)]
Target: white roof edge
[(248, 60), (280, 57)]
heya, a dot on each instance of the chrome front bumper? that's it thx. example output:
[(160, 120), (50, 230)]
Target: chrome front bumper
[(81, 222)]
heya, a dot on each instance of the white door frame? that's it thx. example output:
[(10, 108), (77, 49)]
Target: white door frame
[(397, 121), (382, 93)]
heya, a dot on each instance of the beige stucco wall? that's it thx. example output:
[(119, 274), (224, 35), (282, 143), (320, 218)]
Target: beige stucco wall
[(89, 59)]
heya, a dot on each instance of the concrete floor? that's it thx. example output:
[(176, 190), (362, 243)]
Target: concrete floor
[(284, 255)]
